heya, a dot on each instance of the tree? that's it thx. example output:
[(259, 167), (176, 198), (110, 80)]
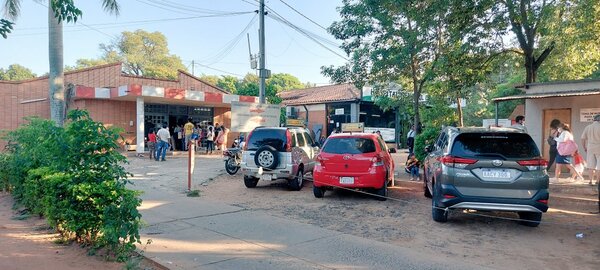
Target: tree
[(212, 79), (86, 63), (542, 26), (228, 83), (143, 54), (58, 11), (16, 72)]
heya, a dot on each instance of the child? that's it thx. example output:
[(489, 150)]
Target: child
[(412, 167), (152, 143)]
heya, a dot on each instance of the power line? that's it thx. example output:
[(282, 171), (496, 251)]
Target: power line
[(235, 74), (317, 24)]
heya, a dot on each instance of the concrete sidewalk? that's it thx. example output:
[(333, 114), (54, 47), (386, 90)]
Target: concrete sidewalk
[(192, 233)]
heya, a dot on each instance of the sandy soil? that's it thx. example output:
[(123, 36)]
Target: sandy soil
[(30, 244), (405, 220)]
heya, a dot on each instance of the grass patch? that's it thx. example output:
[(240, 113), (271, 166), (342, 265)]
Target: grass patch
[(194, 193)]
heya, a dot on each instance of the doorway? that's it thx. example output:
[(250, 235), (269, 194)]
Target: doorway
[(564, 115)]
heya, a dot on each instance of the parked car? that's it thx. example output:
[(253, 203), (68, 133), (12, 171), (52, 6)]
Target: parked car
[(486, 169), (272, 153), (359, 160)]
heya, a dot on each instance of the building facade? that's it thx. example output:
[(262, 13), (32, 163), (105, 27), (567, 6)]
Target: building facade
[(130, 102)]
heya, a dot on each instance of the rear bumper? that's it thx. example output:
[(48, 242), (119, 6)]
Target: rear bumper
[(288, 172), (491, 203), (373, 179)]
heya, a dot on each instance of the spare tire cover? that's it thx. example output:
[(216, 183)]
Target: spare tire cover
[(266, 157)]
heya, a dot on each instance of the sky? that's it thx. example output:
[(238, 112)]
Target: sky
[(218, 45)]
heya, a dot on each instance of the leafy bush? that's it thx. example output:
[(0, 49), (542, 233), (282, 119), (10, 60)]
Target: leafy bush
[(74, 177), (424, 139)]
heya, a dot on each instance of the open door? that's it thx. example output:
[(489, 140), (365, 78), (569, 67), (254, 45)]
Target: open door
[(564, 115)]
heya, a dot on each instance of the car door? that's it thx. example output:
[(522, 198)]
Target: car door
[(312, 150), (387, 157)]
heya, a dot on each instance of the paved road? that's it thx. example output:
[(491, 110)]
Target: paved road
[(192, 233)]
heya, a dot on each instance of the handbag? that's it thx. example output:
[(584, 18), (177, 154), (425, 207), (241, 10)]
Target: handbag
[(567, 148)]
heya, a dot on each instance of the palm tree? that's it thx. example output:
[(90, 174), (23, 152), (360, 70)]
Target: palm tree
[(58, 11)]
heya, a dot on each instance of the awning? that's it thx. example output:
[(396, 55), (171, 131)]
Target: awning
[(550, 95)]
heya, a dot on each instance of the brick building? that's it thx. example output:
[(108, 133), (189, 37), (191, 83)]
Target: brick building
[(115, 99)]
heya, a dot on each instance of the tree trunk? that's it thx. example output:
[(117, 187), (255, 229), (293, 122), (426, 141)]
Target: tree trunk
[(460, 112), (416, 97), (56, 74), (530, 68)]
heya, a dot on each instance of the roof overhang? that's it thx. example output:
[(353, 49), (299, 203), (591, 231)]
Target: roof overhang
[(588, 92)]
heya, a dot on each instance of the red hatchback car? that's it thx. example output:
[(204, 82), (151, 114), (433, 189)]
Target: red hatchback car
[(359, 160)]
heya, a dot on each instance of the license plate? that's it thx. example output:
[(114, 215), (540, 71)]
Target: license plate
[(496, 174), (267, 177), (346, 180)]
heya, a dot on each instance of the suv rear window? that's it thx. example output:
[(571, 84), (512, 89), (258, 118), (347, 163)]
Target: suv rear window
[(266, 136), (349, 146), (494, 145)]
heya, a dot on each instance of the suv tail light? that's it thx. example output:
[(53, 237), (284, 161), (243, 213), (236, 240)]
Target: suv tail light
[(288, 144), (247, 141), (377, 161), (534, 164), (456, 162)]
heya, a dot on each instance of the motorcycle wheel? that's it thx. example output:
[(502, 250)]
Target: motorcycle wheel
[(231, 167)]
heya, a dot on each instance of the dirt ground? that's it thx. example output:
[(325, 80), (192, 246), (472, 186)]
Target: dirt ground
[(405, 220), (30, 244)]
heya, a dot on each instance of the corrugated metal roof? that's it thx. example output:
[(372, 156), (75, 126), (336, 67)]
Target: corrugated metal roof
[(321, 94), (550, 95)]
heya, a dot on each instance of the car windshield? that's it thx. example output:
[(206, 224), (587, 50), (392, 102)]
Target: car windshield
[(264, 136), (349, 146), (494, 146)]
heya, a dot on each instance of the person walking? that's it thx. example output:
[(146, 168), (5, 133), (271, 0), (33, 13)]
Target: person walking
[(210, 137), (188, 130), (590, 139), (553, 134), (152, 143), (222, 139), (163, 137), (520, 123), (564, 160), (410, 139)]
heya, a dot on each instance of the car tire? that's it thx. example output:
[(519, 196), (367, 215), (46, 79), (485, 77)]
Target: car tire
[(530, 219), (319, 192), (250, 181), (438, 215), (266, 157), (298, 180), (382, 192)]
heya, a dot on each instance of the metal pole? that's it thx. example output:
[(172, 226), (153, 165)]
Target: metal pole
[(496, 113), (261, 44)]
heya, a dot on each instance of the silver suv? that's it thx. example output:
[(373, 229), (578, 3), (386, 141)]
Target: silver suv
[(497, 169), (272, 153)]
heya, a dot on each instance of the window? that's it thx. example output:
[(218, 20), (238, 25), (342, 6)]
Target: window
[(309, 140), (301, 140), (275, 138), (494, 145), (349, 146)]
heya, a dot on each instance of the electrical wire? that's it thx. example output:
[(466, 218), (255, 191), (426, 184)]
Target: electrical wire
[(317, 24), (216, 69), (230, 45)]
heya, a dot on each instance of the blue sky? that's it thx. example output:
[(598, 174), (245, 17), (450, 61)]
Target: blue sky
[(204, 40)]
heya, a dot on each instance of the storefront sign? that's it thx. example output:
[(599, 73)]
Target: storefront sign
[(339, 111), (353, 127), (388, 134), (294, 123), (587, 115), (246, 116)]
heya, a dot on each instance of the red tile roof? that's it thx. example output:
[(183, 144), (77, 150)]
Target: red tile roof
[(321, 94)]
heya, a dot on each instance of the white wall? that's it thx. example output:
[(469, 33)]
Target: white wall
[(534, 114), (315, 107)]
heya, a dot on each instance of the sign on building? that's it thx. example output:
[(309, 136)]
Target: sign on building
[(246, 116), (501, 122), (587, 115), (388, 134), (353, 127)]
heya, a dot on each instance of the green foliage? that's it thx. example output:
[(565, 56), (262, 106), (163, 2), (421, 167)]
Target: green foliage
[(86, 63), (73, 176), (5, 27), (16, 72), (228, 83), (211, 79), (427, 137)]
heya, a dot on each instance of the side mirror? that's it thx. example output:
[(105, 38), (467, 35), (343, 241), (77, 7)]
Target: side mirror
[(392, 150), (429, 148)]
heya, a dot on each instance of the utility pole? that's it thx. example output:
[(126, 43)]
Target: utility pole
[(262, 72)]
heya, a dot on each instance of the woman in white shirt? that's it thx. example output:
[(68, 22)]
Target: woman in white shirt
[(567, 160)]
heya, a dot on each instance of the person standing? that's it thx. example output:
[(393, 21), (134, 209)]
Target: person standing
[(520, 123), (152, 143), (410, 139), (210, 137), (178, 134), (222, 139), (564, 160), (163, 137), (553, 152), (188, 130), (590, 139)]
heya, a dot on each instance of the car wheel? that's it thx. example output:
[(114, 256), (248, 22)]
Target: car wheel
[(250, 181), (297, 181), (266, 157), (319, 192), (530, 219), (382, 192), (425, 188), (438, 214)]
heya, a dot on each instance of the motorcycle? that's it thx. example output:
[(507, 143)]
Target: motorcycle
[(233, 159)]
